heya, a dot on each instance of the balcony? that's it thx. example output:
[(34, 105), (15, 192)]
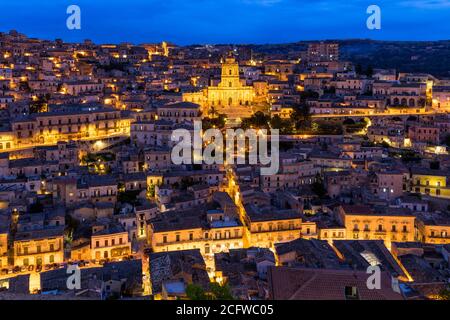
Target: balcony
[(212, 240), (276, 230), (36, 253)]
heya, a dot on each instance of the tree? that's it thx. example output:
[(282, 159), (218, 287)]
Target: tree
[(410, 156), (221, 292), (216, 122), (129, 196), (349, 121), (72, 225), (217, 292), (444, 295), (384, 144), (327, 128), (195, 292), (308, 94), (151, 191), (276, 122), (301, 117), (258, 120), (40, 104), (284, 125)]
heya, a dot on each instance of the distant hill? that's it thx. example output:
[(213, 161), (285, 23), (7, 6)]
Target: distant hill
[(405, 56)]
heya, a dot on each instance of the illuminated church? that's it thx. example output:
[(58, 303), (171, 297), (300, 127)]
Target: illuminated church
[(230, 97)]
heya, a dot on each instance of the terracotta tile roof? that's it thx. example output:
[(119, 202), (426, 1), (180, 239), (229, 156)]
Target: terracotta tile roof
[(325, 284)]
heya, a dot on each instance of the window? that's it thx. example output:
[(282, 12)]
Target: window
[(164, 239), (177, 239), (351, 293), (97, 244)]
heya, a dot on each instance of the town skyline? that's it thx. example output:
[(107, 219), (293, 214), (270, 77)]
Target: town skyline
[(193, 44)]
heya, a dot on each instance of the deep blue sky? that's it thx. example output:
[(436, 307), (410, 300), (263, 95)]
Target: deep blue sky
[(227, 21)]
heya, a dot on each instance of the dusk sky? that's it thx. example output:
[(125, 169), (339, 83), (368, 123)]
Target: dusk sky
[(226, 21)]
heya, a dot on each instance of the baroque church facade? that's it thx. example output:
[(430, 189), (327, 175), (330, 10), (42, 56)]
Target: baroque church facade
[(231, 96)]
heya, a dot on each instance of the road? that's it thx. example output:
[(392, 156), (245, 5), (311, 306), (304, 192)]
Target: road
[(385, 114)]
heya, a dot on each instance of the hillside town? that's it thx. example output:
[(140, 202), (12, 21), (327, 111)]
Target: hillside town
[(87, 178)]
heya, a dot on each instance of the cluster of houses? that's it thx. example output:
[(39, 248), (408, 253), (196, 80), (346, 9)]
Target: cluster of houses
[(87, 178)]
